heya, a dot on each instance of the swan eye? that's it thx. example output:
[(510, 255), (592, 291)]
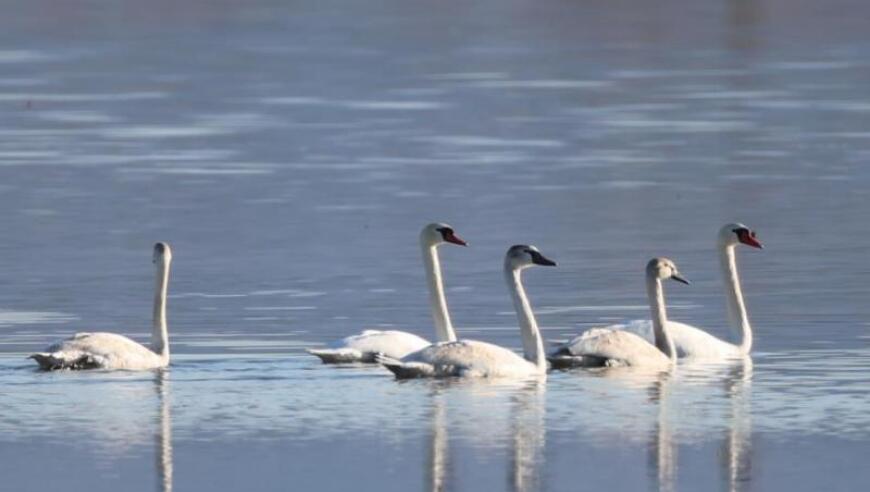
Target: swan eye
[(158, 248)]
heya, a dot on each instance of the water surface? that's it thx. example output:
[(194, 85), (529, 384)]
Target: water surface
[(291, 153)]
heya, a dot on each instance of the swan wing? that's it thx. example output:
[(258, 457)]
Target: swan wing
[(364, 346), (98, 351), (612, 347), (468, 358), (568, 354)]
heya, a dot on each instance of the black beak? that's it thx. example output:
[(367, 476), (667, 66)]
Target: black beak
[(539, 259), (680, 279)]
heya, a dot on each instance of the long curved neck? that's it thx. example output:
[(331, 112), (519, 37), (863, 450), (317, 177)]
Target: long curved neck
[(533, 346), (734, 294), (159, 335), (659, 317), (437, 301)]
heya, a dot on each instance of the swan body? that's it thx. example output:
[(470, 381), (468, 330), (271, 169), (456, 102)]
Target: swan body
[(688, 340), (611, 347), (99, 350), (364, 347), (111, 351), (472, 358), (393, 343), (696, 343), (462, 358)]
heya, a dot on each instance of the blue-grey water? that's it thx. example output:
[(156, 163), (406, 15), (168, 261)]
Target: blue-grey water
[(291, 151)]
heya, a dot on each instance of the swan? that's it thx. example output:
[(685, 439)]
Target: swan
[(612, 347), (393, 343), (112, 351), (697, 343), (472, 358)]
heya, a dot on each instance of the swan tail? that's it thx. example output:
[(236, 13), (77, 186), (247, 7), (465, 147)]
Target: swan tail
[(57, 361), (339, 356), (46, 361), (405, 370)]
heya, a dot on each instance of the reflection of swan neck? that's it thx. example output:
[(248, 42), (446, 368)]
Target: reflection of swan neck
[(159, 334), (438, 458), (533, 346), (665, 451), (164, 437), (734, 294), (529, 436), (659, 316), (738, 442), (437, 301)]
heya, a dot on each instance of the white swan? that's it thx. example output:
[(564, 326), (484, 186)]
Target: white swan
[(612, 347), (697, 343), (393, 343), (111, 351), (471, 358)]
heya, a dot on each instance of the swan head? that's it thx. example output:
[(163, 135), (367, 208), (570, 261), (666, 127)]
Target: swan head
[(439, 233), (162, 253), (523, 256), (663, 269), (737, 233)]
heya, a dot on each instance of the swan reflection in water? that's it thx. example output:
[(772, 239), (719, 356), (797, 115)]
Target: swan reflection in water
[(527, 435), (163, 437), (661, 446), (736, 454), (438, 447)]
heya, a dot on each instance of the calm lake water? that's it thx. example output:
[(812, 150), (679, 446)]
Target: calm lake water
[(291, 151)]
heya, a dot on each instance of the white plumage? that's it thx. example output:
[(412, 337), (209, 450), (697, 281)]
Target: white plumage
[(613, 347), (696, 343), (462, 358), (688, 340), (364, 347), (393, 343), (609, 347), (98, 351), (112, 351), (472, 358)]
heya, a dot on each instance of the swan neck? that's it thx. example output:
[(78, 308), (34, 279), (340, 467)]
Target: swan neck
[(159, 334), (437, 300), (737, 316), (533, 346), (659, 317)]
